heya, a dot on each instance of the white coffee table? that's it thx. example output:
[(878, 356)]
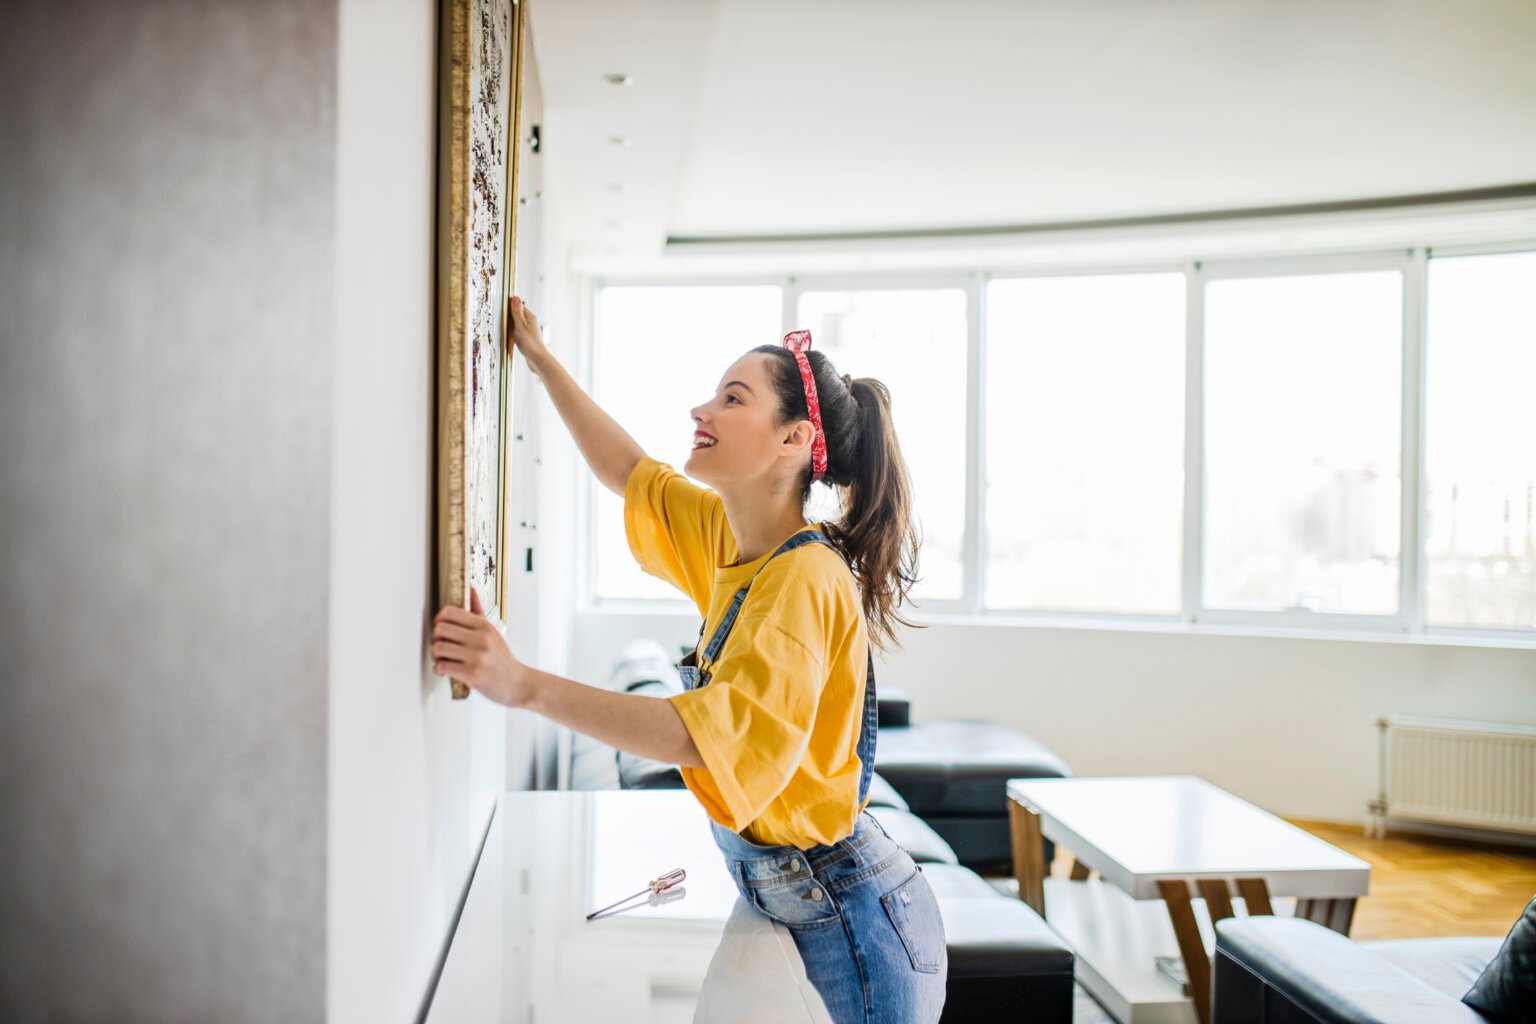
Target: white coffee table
[(1149, 838)]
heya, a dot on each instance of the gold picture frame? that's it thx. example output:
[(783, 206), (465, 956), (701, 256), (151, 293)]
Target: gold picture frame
[(479, 93)]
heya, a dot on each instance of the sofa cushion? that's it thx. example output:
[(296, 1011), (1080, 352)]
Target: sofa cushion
[(882, 794), (636, 772), (892, 707), (1450, 965), (996, 937), (643, 773), (913, 835), (1506, 990), (1327, 975), (951, 881), (644, 669), (1001, 954), (982, 842), (961, 768)]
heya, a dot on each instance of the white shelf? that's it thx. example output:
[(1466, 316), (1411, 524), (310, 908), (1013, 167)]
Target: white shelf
[(1116, 940)]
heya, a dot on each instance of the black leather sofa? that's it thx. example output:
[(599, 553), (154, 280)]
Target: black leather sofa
[(1279, 970), (954, 775), (1004, 959)]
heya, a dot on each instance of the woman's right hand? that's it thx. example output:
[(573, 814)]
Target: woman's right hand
[(525, 330)]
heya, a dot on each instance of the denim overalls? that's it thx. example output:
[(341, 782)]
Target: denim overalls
[(862, 915)]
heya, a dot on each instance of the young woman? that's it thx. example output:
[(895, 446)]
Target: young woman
[(775, 731)]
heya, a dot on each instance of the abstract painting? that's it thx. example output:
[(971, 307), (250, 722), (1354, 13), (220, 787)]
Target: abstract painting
[(477, 116)]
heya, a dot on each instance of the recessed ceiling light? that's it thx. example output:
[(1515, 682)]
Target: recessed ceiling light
[(619, 140), (617, 78)]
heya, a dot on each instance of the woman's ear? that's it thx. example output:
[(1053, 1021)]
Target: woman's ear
[(799, 438)]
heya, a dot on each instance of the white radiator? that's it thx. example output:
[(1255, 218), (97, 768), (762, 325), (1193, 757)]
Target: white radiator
[(1467, 774)]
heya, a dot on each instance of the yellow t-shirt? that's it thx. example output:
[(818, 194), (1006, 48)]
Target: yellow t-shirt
[(778, 723)]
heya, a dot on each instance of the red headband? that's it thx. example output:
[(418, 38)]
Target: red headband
[(799, 342)]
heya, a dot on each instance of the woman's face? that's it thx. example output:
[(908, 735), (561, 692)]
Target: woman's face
[(735, 437)]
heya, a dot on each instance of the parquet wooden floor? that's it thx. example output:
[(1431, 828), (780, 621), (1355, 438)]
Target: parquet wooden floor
[(1432, 887)]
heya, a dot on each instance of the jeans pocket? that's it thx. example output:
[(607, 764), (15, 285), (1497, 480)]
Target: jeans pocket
[(914, 913), (800, 902)]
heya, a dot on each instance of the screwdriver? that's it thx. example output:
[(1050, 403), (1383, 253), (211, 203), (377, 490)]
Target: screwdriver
[(656, 887)]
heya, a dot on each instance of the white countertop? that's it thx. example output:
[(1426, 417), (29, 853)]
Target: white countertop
[(523, 950)]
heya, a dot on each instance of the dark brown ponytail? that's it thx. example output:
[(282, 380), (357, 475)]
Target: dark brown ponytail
[(877, 533)]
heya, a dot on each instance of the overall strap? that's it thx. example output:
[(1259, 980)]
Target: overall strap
[(871, 729), (723, 630)]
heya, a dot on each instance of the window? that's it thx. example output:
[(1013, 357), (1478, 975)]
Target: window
[(914, 342), (658, 352), (1084, 443), (1302, 425), (1290, 372), (1480, 441)]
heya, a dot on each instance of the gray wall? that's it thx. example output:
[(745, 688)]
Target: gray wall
[(166, 260)]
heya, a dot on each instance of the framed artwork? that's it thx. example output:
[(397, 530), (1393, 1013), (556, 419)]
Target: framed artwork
[(479, 88)]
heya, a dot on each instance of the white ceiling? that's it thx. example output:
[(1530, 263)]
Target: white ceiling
[(755, 118)]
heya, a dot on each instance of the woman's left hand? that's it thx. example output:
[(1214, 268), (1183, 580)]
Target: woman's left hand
[(466, 646)]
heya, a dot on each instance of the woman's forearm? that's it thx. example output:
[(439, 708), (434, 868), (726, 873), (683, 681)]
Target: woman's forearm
[(606, 446), (645, 726)]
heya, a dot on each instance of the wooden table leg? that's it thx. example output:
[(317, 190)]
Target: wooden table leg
[(1197, 963), (1218, 898), (1028, 855), (1255, 894), (1337, 914), (1341, 914)]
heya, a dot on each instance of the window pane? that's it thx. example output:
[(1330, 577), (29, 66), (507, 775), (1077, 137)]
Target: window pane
[(1480, 432), (660, 350), (1303, 396), (914, 342), (1085, 443)]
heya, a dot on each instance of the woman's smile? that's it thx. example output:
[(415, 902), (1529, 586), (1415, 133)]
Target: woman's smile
[(703, 440)]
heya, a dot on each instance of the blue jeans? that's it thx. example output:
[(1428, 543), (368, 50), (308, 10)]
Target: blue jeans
[(862, 915)]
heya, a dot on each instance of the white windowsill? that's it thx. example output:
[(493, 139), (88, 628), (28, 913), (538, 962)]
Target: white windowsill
[(686, 612)]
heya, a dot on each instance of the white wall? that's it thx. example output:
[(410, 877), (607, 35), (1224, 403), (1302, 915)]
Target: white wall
[(558, 533), (539, 282), (413, 775), (1285, 722)]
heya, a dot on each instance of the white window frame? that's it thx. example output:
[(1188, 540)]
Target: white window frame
[(1408, 625), (1043, 617), (586, 562), (1420, 626), (964, 281), (1204, 272)]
